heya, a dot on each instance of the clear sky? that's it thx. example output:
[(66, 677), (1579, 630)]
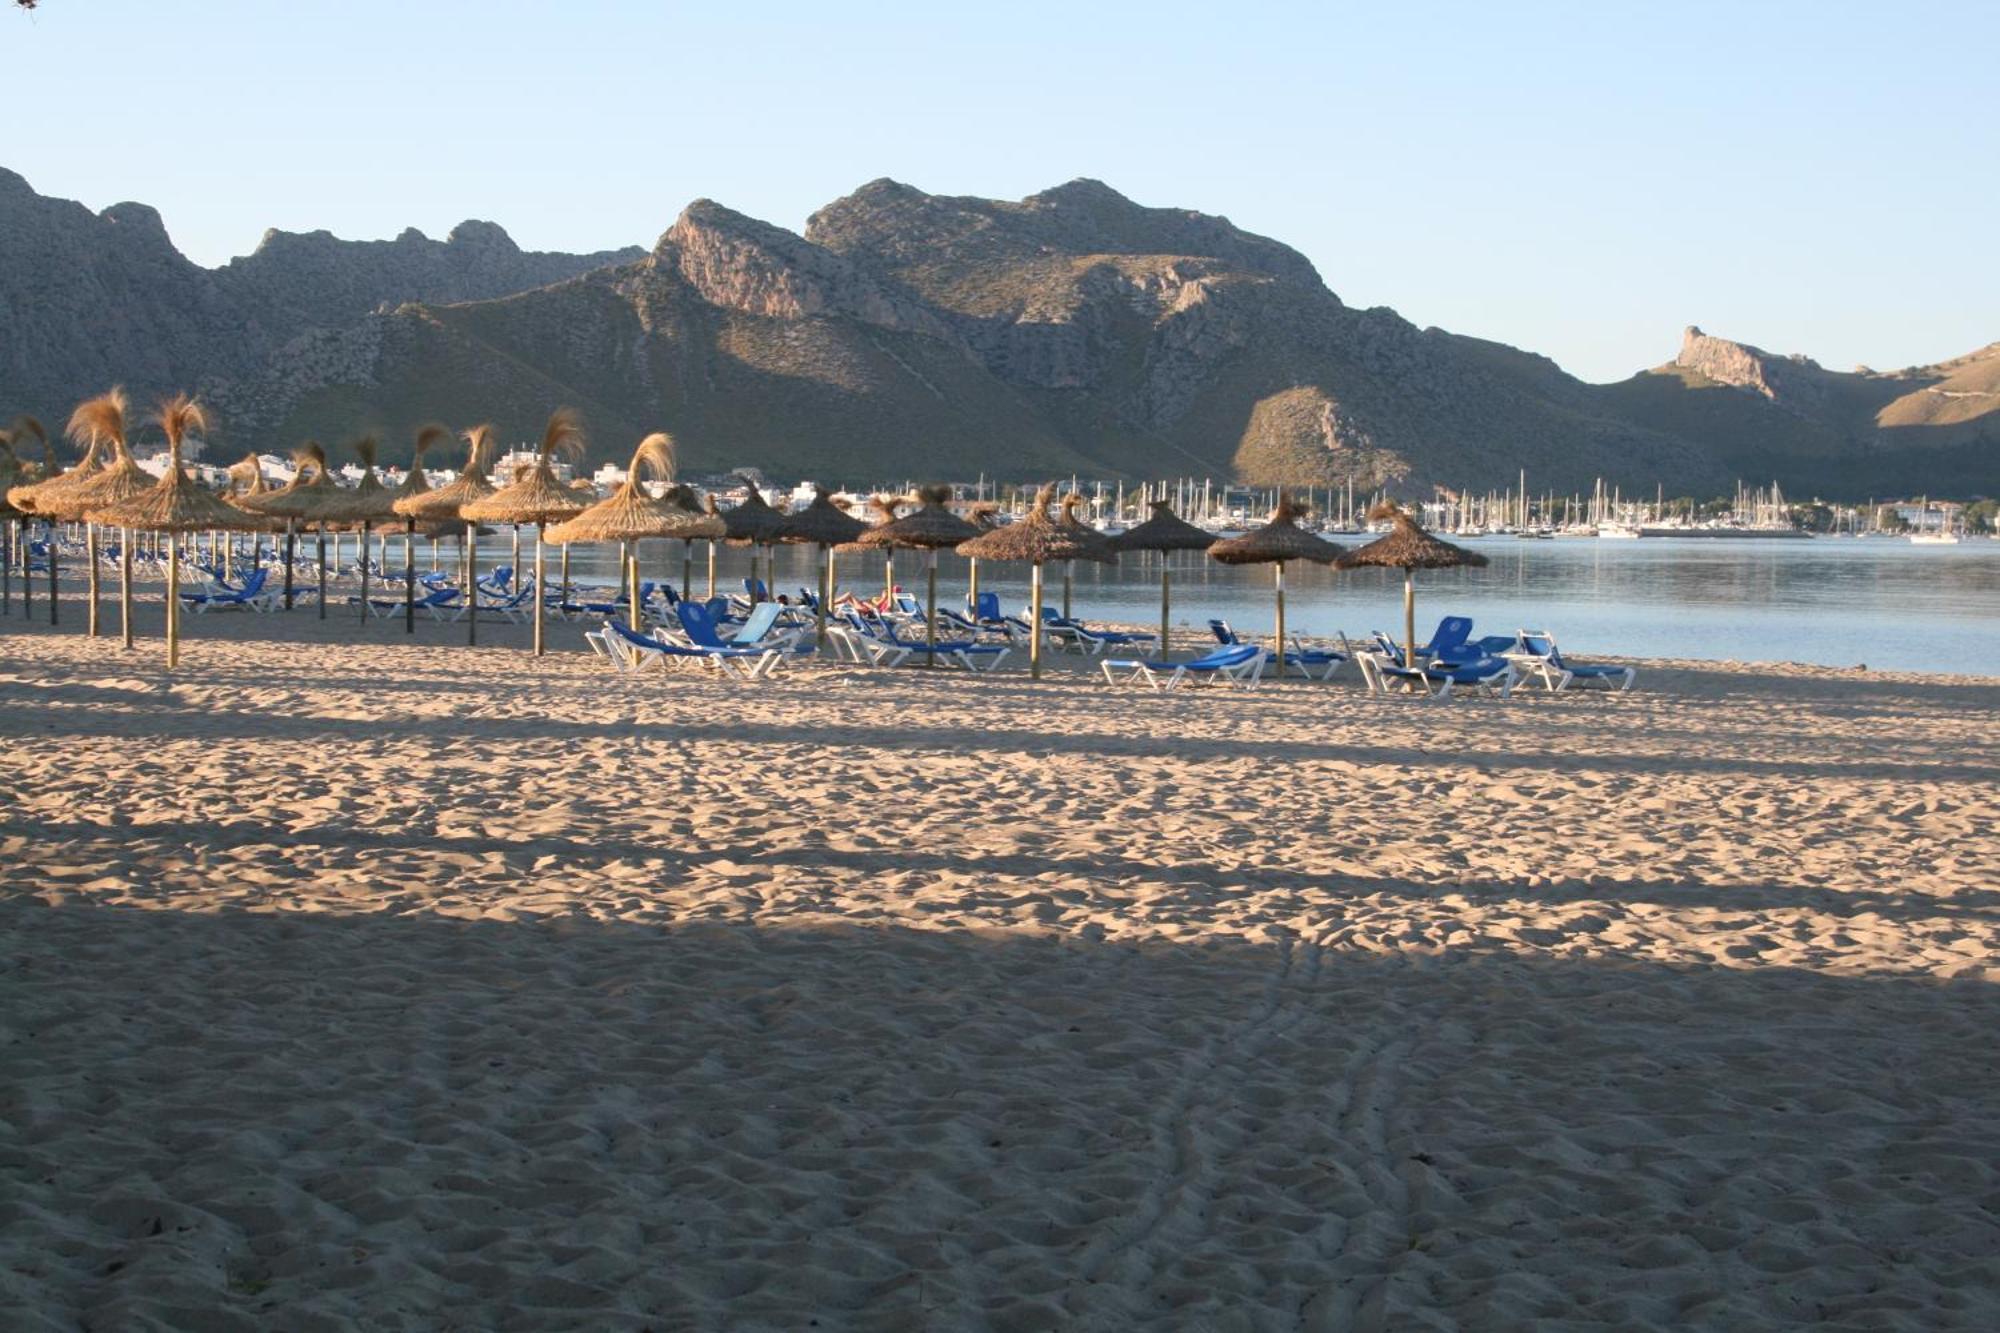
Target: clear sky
[(1577, 179)]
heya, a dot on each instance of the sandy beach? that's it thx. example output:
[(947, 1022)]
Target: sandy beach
[(354, 982)]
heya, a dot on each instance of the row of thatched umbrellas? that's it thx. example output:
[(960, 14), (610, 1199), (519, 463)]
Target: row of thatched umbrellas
[(118, 493)]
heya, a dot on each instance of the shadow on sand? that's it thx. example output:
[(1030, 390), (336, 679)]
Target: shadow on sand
[(230, 1120)]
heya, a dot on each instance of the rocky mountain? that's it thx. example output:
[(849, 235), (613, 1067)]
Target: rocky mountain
[(92, 298), (908, 334), (1850, 433)]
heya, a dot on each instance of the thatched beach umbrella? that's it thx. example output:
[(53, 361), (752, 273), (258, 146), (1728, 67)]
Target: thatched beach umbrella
[(709, 507), (984, 516), (49, 485), (1164, 532), (826, 525), (692, 523), (24, 431), (537, 497), (932, 527), (1070, 519), (629, 514), (414, 483), (753, 523), (309, 497), (1409, 548), (103, 418), (1279, 540), (263, 502), (369, 503), (60, 500), (1035, 540), (447, 503), (175, 505)]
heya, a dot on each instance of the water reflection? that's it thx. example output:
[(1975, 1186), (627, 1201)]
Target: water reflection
[(1836, 602)]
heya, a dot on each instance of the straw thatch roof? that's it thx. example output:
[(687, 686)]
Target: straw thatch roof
[(932, 527), (10, 475), (821, 523), (99, 425), (174, 503), (628, 514), (536, 496), (415, 482), (121, 479), (691, 521), (50, 496), (370, 501), (1407, 546), (753, 521), (471, 484), (1164, 531), (310, 496), (1070, 520), (1036, 539), (246, 477), (985, 515), (1277, 541)]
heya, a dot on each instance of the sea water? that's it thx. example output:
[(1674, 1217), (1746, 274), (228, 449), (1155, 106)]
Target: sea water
[(1831, 601)]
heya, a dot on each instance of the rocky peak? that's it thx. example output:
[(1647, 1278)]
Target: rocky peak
[(139, 225), (1782, 379), (894, 225), (474, 234), (740, 263)]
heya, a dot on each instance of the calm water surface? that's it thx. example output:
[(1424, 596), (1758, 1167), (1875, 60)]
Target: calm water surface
[(1830, 601)]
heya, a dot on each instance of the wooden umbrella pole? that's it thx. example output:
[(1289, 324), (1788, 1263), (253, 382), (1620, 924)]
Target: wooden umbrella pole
[(538, 589), (125, 585), (173, 604), (628, 575), (1068, 567), (288, 563), (410, 575), (1035, 623), (825, 591), (1280, 567), (1166, 603), (434, 554), (364, 573), (514, 556), (322, 571), (90, 553), (889, 579), (55, 601), (7, 568), (972, 593), (930, 608), (687, 567), (565, 578), (472, 584), (1410, 619), (711, 567)]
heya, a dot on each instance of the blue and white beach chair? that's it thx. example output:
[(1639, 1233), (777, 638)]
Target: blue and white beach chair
[(1239, 666)]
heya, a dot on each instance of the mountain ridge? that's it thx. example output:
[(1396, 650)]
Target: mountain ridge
[(904, 334)]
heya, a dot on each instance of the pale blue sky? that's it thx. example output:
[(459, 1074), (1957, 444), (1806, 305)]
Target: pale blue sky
[(1577, 179)]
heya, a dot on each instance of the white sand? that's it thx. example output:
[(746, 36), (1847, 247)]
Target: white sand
[(412, 987)]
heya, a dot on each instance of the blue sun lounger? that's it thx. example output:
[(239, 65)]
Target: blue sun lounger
[(1297, 655), (1536, 655), (1438, 679), (699, 625), (1239, 665)]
